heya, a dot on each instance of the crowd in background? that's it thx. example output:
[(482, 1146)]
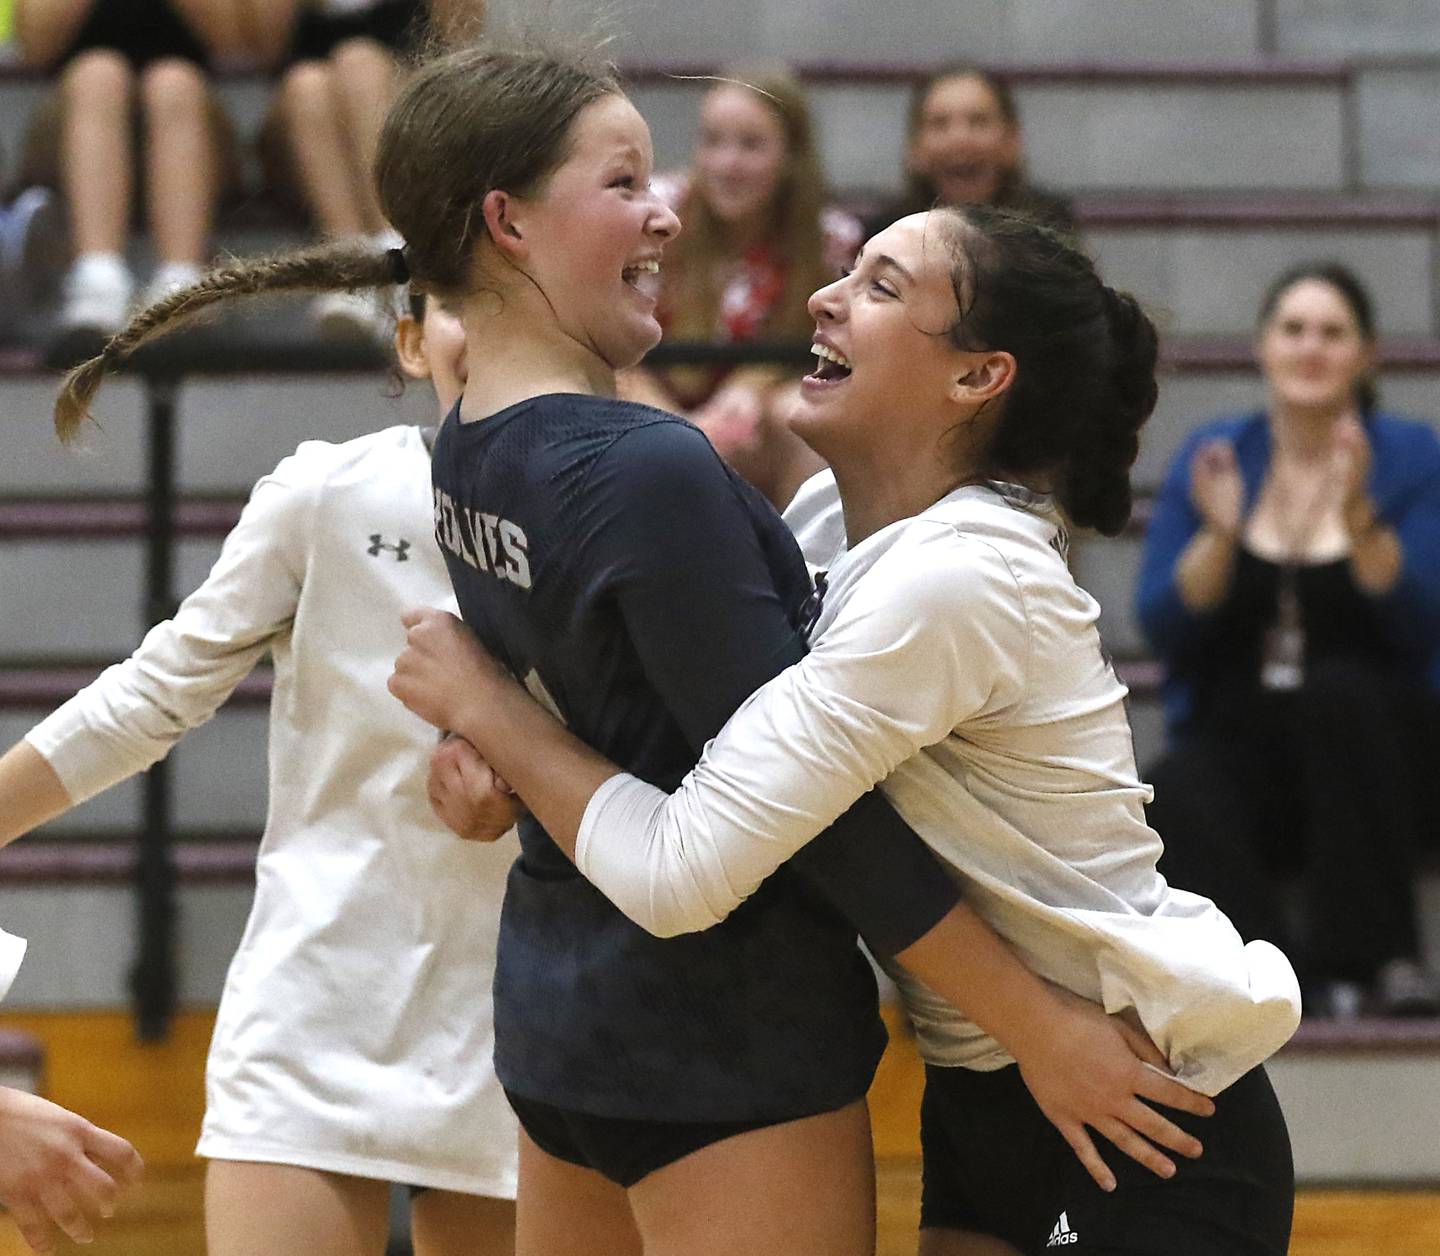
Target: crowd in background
[(1291, 573), (133, 97)]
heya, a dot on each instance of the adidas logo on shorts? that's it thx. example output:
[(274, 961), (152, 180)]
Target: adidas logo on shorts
[(1062, 1233)]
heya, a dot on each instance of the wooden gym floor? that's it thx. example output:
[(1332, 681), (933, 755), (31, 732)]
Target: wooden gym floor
[(154, 1095)]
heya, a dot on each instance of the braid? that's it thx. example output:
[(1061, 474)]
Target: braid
[(344, 267), (1097, 472)]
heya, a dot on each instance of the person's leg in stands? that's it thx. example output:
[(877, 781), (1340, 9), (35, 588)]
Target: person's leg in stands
[(1211, 820), (1350, 730), (365, 74), (342, 134), (319, 156), (97, 180), (181, 169)]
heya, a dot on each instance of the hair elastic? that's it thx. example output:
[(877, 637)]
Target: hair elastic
[(399, 267)]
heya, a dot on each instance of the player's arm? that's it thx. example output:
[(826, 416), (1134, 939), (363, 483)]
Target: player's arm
[(671, 544), (31, 790), (185, 668), (1083, 1068)]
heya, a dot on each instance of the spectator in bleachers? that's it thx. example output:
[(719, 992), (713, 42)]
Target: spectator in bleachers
[(128, 66), (1291, 583), (758, 238), (319, 141), (964, 147)]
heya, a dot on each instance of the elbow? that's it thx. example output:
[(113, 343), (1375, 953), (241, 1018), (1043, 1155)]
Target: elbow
[(672, 917), (669, 927), (671, 905)]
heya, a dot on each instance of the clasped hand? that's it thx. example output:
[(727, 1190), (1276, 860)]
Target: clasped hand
[(443, 675)]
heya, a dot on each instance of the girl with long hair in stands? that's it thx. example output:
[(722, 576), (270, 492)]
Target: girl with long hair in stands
[(703, 1095), (975, 378), (352, 1046)]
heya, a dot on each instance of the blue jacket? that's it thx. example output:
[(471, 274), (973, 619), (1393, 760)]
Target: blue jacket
[(1405, 484)]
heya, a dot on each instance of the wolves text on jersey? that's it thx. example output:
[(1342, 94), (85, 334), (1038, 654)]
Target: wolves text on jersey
[(485, 542)]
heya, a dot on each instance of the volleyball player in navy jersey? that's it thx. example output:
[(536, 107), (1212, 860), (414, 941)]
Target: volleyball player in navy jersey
[(701, 1096)]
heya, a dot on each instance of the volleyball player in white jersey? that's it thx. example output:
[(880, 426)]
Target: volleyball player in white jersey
[(974, 372), (353, 1043)]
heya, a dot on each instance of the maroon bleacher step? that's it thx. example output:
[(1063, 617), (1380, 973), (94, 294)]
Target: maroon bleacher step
[(1366, 1035), (207, 861)]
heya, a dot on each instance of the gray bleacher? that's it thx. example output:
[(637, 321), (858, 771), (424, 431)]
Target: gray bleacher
[(1211, 142)]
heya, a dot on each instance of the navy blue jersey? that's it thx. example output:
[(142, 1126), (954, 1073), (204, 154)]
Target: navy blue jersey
[(604, 553)]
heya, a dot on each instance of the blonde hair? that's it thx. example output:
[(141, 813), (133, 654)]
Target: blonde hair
[(796, 234)]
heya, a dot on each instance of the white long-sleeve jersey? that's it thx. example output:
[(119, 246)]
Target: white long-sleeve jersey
[(355, 1030), (957, 664)]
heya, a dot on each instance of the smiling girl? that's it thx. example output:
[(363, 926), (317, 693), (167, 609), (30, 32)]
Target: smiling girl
[(964, 146), (1291, 583), (702, 1095), (975, 378)]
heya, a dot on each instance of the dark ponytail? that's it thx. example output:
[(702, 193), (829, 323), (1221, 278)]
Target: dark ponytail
[(1085, 360), (1097, 473)]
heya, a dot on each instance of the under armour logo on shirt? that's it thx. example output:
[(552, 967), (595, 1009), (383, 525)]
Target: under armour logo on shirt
[(401, 548)]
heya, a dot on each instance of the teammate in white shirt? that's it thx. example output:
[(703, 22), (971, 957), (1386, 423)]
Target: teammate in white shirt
[(974, 372), (353, 1043)]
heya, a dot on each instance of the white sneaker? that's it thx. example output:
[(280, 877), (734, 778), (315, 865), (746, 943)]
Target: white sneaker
[(168, 277), (350, 316), (96, 294)]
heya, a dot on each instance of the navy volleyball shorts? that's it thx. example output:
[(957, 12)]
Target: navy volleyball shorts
[(995, 1165), (619, 1148)]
